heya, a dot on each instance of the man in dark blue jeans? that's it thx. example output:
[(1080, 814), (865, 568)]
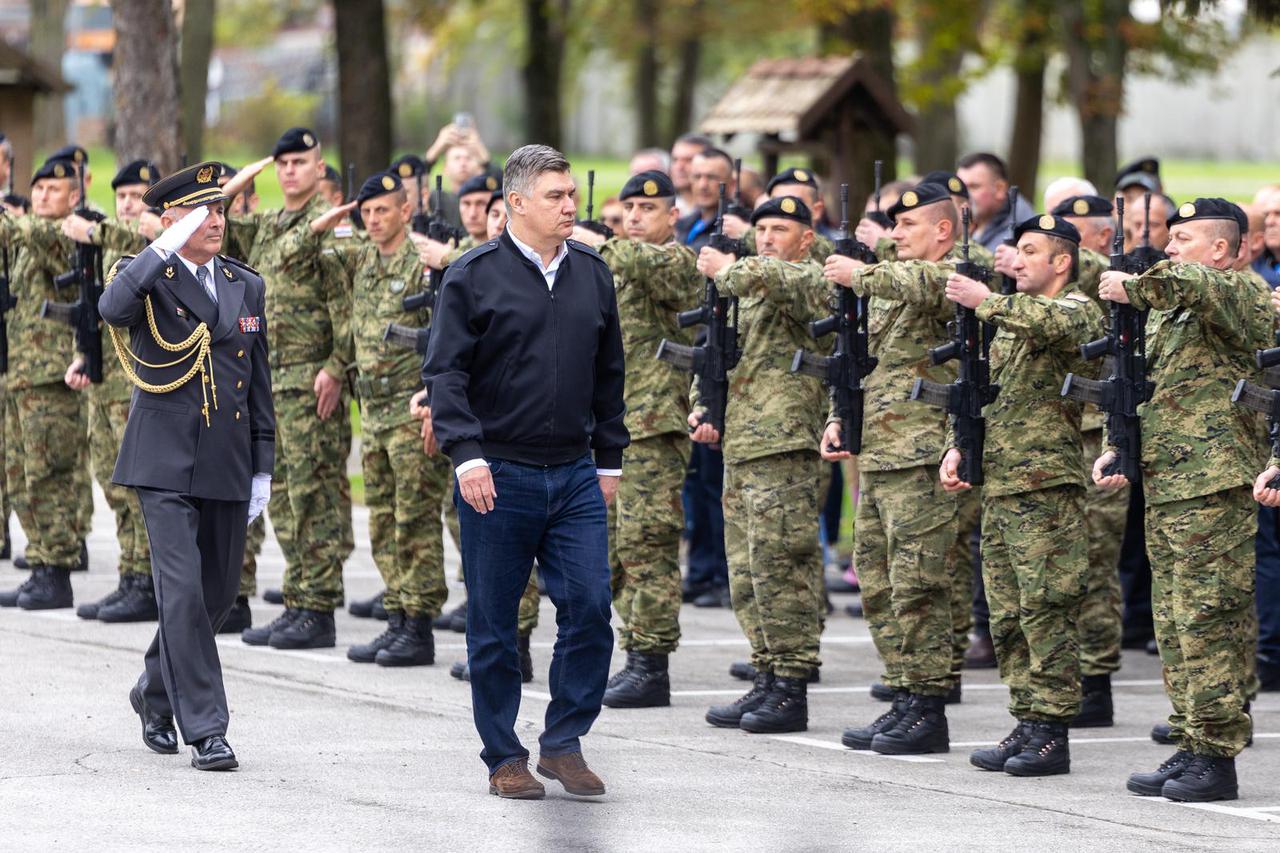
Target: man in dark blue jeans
[(524, 375)]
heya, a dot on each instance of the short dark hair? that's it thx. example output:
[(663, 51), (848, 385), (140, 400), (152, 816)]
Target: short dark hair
[(713, 153), (984, 158), (693, 139), (1062, 246), (1226, 229)]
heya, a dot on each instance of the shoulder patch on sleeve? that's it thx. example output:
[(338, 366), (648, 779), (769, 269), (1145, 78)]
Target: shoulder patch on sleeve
[(1078, 297)]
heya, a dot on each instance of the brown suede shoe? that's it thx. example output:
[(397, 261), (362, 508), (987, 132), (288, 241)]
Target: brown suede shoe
[(571, 771), (513, 781)]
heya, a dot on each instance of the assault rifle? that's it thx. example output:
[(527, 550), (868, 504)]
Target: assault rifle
[(1009, 283), (844, 370), (591, 223), (407, 337), (436, 227), (86, 276), (877, 216), (1265, 400)]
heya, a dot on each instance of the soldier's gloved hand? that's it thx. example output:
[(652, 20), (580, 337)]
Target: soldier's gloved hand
[(260, 493), (177, 235)]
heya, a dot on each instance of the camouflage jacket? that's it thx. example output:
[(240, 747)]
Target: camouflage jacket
[(887, 250), (909, 315), (466, 244), (117, 238), (388, 375), (1033, 432), (39, 349), (771, 410), (653, 283), (1201, 335), (1088, 276), (308, 311), (821, 248)]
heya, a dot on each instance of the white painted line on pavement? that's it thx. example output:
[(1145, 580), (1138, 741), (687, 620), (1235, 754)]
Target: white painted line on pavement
[(228, 642), (1262, 813), (1080, 740), (823, 744), (67, 615), (1151, 682), (536, 694)]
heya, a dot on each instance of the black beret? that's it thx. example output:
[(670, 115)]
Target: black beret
[(792, 176), (1209, 208), (496, 196), (1140, 173), (379, 183), (228, 171), (1084, 205), (1048, 223), (137, 172), (55, 169), (783, 207), (482, 183), (190, 187), (950, 180), (650, 184), (74, 153), (332, 174), (408, 166), (295, 139), (920, 195)]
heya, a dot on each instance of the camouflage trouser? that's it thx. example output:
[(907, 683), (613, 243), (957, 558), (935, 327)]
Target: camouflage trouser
[(311, 500), (403, 488), (1202, 599), (903, 530), (107, 418), (45, 434), (650, 518), (6, 505), (1035, 567), (1105, 512), (960, 570), (256, 535), (771, 539)]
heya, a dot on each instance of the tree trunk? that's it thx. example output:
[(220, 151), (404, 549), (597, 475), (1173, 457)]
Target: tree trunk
[(542, 68), (1096, 60), (646, 74), (364, 85), (48, 42), (146, 82), (197, 48), (688, 60), (1028, 111)]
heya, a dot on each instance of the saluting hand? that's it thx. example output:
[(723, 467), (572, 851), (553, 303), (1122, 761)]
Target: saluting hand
[(949, 472), (839, 269), (476, 488), (331, 217), (966, 291), (1111, 286), (241, 180)]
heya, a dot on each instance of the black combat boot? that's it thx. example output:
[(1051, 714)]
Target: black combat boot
[(922, 729), (239, 617), (312, 629), (1163, 733), (644, 683), (273, 596), (10, 598), (526, 658), (861, 738), (413, 644), (261, 635), (82, 562), (7, 551), (364, 609), (730, 716), (882, 692), (461, 670), (90, 610), (742, 670), (785, 709), (1046, 752), (51, 589), (1205, 779), (1152, 784), (445, 620), (621, 675), (996, 757), (138, 604), (1095, 703), (368, 652), (20, 563)]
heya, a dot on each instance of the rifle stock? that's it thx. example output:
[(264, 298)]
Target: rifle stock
[(1266, 401), (407, 337)]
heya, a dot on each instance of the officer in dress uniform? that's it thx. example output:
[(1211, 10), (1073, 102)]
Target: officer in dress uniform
[(198, 448)]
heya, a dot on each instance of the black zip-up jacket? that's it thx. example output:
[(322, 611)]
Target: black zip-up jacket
[(518, 372)]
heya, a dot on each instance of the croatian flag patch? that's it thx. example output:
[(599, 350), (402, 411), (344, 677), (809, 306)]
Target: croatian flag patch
[(249, 325)]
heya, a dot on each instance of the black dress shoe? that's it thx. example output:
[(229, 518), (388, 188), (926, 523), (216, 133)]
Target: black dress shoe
[(50, 590), (158, 732), (310, 629), (364, 609), (273, 596), (213, 753), (90, 610), (138, 604), (239, 618)]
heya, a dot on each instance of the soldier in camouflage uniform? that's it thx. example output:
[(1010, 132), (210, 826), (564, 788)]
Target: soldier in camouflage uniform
[(310, 342), (1034, 556), (44, 430), (905, 524), (1105, 510), (134, 599), (403, 486), (655, 278), (1199, 457), (772, 475)]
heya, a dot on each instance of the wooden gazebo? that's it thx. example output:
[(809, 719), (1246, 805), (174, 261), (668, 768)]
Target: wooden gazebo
[(835, 109), (21, 79)]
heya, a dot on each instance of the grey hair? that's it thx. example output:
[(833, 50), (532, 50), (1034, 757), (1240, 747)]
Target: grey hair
[(526, 163), (659, 154), (1065, 188)]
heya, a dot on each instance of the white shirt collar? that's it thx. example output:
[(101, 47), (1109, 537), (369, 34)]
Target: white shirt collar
[(191, 267), (549, 271)]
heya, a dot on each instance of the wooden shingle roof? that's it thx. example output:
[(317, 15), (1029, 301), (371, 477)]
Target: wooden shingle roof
[(18, 69)]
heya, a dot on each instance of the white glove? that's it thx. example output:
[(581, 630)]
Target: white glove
[(177, 235), (260, 494)]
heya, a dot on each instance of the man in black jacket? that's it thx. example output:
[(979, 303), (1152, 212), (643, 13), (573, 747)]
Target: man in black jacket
[(525, 376), (198, 448)]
